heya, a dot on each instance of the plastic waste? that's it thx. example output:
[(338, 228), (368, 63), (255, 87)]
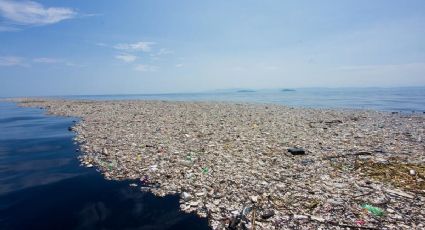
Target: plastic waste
[(153, 168), (374, 210), (205, 170), (360, 222), (145, 179)]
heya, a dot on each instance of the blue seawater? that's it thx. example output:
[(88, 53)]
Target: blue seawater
[(406, 99), (42, 185)]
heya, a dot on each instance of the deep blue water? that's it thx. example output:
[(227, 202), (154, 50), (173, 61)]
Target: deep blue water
[(406, 99), (42, 185)]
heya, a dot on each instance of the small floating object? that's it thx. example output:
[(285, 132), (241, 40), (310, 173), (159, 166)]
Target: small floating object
[(205, 170), (267, 214), (296, 151), (133, 185), (374, 210), (144, 189), (307, 162), (153, 168), (246, 210), (145, 179), (360, 222), (186, 196), (234, 222), (254, 199)]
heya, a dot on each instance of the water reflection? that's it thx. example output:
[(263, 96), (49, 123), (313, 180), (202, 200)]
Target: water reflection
[(30, 162), (43, 186), (88, 202)]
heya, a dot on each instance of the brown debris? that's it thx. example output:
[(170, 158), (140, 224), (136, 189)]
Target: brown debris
[(396, 173)]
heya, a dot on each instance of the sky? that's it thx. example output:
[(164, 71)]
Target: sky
[(82, 47)]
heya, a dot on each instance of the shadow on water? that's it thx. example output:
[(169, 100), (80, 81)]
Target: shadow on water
[(43, 186)]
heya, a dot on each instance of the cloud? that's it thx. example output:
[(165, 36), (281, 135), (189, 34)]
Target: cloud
[(164, 51), (47, 60), (26, 62), (11, 61), (134, 47), (90, 15), (126, 57), (72, 64), (101, 44), (29, 13), (146, 68), (179, 65)]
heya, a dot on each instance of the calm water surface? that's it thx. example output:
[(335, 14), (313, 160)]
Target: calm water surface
[(384, 99), (42, 185)]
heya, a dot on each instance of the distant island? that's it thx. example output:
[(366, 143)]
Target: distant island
[(246, 91), (288, 90)]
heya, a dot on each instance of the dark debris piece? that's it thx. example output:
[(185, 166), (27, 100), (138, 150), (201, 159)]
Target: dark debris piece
[(296, 151), (267, 214), (234, 222)]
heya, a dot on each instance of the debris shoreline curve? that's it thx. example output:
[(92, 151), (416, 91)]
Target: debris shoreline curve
[(260, 166)]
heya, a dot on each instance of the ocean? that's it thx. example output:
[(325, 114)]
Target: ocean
[(407, 99), (44, 187)]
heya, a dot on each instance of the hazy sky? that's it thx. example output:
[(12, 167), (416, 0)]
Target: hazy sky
[(108, 47)]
